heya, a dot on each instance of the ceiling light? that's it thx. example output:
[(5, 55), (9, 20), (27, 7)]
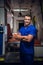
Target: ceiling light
[(20, 10)]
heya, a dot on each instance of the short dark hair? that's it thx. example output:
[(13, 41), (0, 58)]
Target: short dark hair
[(28, 15)]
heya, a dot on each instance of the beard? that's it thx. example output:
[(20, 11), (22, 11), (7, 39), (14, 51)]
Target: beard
[(26, 24)]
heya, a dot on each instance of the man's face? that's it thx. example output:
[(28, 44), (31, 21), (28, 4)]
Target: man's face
[(27, 20)]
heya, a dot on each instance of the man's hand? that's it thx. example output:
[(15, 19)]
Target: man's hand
[(17, 36)]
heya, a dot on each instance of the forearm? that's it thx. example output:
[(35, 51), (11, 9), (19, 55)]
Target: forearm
[(24, 38), (27, 38), (19, 37)]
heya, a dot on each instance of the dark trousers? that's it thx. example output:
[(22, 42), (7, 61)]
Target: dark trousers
[(26, 59)]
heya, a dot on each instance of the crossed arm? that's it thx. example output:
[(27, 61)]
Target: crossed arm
[(27, 38)]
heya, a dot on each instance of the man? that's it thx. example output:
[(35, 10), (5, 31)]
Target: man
[(26, 35)]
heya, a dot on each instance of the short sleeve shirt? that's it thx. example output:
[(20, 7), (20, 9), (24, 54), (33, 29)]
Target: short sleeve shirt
[(28, 47)]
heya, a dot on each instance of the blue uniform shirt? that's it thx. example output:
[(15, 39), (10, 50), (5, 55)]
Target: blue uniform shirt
[(27, 47)]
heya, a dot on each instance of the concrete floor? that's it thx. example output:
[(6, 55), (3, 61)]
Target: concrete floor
[(14, 58)]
